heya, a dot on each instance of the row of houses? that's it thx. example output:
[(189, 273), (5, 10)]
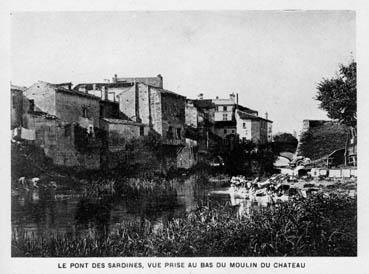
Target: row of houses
[(89, 125)]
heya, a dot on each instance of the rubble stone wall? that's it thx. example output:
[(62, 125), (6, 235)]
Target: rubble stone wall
[(127, 102), (43, 96), (56, 138), (173, 111), (69, 107), (143, 103), (156, 110)]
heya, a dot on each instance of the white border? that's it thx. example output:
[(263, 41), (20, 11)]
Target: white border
[(358, 264)]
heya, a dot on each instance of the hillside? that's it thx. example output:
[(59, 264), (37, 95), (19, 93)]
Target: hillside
[(322, 139)]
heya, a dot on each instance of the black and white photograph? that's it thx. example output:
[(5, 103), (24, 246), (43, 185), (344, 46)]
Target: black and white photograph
[(188, 133)]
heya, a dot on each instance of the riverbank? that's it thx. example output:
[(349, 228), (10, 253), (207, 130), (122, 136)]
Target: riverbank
[(316, 226)]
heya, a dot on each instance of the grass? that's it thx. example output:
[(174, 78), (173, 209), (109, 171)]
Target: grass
[(316, 226)]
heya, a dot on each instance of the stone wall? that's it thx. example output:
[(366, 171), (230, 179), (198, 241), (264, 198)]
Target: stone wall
[(127, 102), (43, 96), (156, 110), (151, 81), (19, 105), (119, 133), (70, 107), (243, 128), (173, 116), (57, 139), (143, 98), (255, 131), (191, 114)]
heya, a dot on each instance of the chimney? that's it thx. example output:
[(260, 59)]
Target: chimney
[(105, 90), (161, 80), (266, 115), (232, 97), (201, 96), (115, 78)]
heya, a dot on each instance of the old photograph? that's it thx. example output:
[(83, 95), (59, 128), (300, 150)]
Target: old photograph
[(184, 134)]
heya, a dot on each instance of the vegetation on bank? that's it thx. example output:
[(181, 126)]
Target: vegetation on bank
[(323, 139), (315, 226)]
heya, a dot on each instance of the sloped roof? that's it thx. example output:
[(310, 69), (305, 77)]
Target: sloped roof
[(247, 116), (59, 88), (15, 87), (121, 121), (246, 109), (99, 85), (205, 103)]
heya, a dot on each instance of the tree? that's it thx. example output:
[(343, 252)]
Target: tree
[(285, 142), (337, 95)]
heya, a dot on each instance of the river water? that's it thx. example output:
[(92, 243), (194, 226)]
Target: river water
[(65, 210), (61, 210)]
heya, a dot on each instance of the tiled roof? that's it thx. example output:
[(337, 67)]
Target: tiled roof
[(247, 116), (14, 87), (121, 121), (206, 103), (246, 109)]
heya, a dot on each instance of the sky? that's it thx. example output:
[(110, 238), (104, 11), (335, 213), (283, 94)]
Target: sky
[(272, 59)]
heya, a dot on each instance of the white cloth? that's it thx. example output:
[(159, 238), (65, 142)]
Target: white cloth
[(28, 134)]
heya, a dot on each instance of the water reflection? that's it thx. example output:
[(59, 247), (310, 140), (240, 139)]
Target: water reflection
[(66, 210), (70, 210)]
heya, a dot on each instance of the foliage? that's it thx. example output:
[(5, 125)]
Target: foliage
[(317, 226), (322, 140), (27, 160), (285, 142), (338, 97)]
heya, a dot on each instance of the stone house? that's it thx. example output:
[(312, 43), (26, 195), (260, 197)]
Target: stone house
[(253, 128), (118, 134), (64, 103), (67, 122), (66, 144), (226, 122), (225, 108), (162, 110)]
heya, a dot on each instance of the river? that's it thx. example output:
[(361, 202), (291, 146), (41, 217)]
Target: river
[(65, 209)]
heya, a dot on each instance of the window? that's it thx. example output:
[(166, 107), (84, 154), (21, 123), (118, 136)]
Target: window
[(224, 108), (225, 117), (178, 133), (84, 112), (142, 131), (170, 133), (68, 130), (31, 105), (244, 125), (225, 131), (232, 130)]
